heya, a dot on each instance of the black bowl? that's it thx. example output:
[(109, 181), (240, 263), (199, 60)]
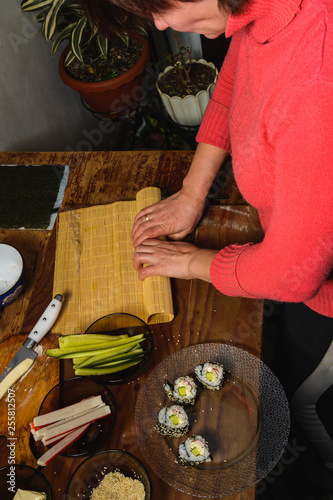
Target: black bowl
[(120, 324), (13, 477), (72, 391)]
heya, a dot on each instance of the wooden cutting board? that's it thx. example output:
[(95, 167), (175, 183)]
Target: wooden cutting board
[(29, 392)]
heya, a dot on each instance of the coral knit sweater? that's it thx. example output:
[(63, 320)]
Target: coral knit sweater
[(272, 109)]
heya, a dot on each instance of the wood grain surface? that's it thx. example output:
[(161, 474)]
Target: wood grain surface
[(202, 314)]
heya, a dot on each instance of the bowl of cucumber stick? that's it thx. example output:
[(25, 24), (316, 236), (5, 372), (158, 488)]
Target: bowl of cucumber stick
[(117, 348)]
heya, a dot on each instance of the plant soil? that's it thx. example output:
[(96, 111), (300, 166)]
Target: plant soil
[(120, 59), (201, 76)]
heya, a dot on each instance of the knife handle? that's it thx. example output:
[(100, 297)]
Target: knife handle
[(45, 322)]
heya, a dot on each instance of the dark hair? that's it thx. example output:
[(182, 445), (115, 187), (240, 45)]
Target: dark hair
[(117, 16)]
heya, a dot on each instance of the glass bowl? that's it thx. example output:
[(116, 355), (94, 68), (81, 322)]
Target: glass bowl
[(69, 392), (25, 478), (121, 324), (90, 472)]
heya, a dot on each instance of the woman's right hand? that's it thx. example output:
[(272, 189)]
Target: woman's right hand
[(174, 217)]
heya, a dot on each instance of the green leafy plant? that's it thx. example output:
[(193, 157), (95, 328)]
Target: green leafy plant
[(65, 20)]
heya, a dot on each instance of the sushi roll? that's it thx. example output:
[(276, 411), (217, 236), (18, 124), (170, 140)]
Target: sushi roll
[(210, 375), (183, 391), (172, 421), (193, 451)]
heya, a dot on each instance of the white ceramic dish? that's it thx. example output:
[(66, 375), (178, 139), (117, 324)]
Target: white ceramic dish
[(12, 274)]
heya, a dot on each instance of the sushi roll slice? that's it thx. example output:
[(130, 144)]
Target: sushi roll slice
[(172, 421), (210, 375), (193, 451), (183, 391)]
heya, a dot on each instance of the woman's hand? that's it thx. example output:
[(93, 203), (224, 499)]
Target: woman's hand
[(175, 217), (175, 259)]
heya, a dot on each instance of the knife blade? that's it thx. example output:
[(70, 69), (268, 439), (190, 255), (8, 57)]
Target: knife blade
[(26, 354)]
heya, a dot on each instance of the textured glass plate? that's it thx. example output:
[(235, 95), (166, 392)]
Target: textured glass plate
[(246, 423)]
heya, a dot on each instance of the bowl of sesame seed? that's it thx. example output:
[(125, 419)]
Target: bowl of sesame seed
[(107, 473)]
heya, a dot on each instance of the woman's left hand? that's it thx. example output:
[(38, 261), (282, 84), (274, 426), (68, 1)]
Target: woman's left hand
[(175, 259)]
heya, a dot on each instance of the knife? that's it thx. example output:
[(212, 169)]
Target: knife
[(26, 354)]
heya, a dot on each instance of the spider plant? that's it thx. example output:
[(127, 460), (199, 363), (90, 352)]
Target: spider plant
[(65, 20)]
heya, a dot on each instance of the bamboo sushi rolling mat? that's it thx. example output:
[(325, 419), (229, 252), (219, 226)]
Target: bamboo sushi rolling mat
[(94, 267)]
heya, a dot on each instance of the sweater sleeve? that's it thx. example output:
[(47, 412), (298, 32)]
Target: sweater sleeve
[(214, 128), (295, 258)]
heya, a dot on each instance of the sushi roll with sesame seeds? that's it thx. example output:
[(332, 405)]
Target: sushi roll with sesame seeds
[(183, 391), (210, 375), (193, 451), (172, 421)]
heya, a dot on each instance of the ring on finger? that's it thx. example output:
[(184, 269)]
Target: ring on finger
[(147, 218)]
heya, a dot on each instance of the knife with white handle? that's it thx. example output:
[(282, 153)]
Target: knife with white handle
[(26, 354)]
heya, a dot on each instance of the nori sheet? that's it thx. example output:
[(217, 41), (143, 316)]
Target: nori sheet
[(28, 194)]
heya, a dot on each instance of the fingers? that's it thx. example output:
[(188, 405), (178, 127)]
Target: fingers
[(163, 258), (172, 216), (143, 217), (152, 222), (146, 226), (144, 257), (149, 254), (150, 232), (140, 226), (144, 261)]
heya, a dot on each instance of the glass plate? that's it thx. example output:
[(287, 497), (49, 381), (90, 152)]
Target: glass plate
[(246, 423)]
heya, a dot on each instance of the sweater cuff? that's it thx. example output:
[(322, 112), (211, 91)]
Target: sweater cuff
[(214, 128), (223, 271)]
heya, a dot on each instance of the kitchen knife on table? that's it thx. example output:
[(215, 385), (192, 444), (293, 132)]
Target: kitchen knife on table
[(26, 354)]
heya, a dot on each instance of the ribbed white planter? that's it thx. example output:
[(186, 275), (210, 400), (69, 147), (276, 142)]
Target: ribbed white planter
[(189, 110)]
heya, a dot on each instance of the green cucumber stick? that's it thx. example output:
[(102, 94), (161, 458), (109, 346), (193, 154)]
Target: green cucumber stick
[(100, 358), (119, 362), (125, 355), (94, 347), (104, 371), (110, 350), (87, 339), (100, 355), (134, 360), (57, 353)]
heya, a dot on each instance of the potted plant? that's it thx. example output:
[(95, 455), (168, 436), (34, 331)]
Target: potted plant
[(108, 74), (186, 86)]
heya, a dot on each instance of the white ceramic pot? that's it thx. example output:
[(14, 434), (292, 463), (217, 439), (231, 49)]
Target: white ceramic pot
[(187, 111)]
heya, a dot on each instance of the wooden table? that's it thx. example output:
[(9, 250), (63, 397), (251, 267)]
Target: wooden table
[(201, 313)]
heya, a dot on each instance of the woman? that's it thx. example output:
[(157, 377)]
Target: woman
[(272, 110)]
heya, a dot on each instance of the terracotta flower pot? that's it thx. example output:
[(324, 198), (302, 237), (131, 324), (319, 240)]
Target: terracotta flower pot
[(116, 95), (187, 111)]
